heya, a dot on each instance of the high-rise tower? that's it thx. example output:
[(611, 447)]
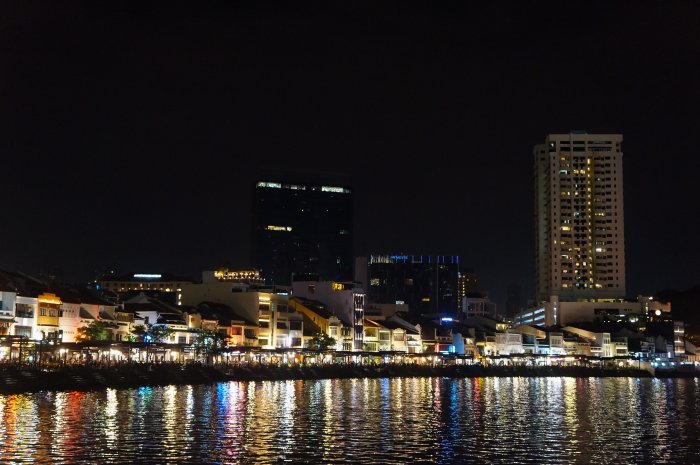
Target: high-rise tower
[(579, 217), (302, 229)]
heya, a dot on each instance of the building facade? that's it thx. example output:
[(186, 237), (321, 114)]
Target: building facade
[(579, 217), (302, 229), (478, 306), (345, 300), (161, 283), (468, 283), (427, 284)]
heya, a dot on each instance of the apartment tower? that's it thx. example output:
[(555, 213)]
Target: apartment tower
[(579, 217)]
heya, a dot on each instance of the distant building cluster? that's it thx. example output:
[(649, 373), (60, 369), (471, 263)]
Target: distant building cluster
[(306, 281)]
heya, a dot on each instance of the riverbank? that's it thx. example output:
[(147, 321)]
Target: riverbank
[(81, 378), (29, 379)]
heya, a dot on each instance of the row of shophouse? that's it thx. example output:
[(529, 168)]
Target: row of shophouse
[(245, 313)]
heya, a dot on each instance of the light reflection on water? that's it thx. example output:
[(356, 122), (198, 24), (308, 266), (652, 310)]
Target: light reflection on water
[(428, 420)]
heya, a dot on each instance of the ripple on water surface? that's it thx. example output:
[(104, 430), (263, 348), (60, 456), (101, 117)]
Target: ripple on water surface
[(402, 420)]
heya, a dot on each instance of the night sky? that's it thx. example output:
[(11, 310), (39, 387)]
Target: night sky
[(130, 138)]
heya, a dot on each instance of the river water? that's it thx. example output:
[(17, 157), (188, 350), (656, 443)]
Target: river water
[(410, 420)]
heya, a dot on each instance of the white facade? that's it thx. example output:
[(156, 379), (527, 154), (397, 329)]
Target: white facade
[(579, 217), (7, 311), (555, 312), (601, 343), (556, 344), (509, 343), (278, 326), (69, 320), (26, 314)]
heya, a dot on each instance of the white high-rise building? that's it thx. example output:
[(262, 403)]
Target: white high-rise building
[(579, 217)]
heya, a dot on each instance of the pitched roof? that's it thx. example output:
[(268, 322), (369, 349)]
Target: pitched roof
[(372, 323), (315, 306), (221, 312), (85, 315)]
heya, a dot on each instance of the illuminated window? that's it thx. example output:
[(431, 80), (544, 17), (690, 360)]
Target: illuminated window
[(274, 185), (340, 190)]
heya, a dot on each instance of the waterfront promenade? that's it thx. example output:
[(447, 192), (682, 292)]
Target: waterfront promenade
[(14, 379), (90, 366)]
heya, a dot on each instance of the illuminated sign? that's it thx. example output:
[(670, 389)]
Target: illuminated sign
[(147, 276), (227, 275), (273, 227), (340, 190), (274, 185)]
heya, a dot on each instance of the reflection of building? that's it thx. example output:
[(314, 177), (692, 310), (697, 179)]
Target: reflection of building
[(579, 217), (302, 229), (427, 284)]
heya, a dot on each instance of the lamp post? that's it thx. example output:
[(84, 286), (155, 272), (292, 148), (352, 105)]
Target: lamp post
[(41, 348)]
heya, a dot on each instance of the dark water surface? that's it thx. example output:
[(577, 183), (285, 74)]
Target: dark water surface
[(412, 420)]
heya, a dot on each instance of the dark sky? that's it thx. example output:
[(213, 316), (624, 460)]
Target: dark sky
[(130, 138)]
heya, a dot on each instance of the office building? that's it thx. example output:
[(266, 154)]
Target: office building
[(427, 284), (302, 229), (468, 283), (579, 217)]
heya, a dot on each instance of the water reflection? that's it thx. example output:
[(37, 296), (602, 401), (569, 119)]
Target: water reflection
[(419, 420)]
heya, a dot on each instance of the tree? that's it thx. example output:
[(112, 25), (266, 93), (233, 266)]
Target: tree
[(159, 333), (208, 338), (138, 333), (321, 341), (96, 330), (150, 333)]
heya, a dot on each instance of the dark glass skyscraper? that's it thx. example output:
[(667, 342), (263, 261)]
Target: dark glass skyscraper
[(427, 284), (302, 229)]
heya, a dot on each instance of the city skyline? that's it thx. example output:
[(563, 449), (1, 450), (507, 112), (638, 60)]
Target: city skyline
[(119, 153)]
